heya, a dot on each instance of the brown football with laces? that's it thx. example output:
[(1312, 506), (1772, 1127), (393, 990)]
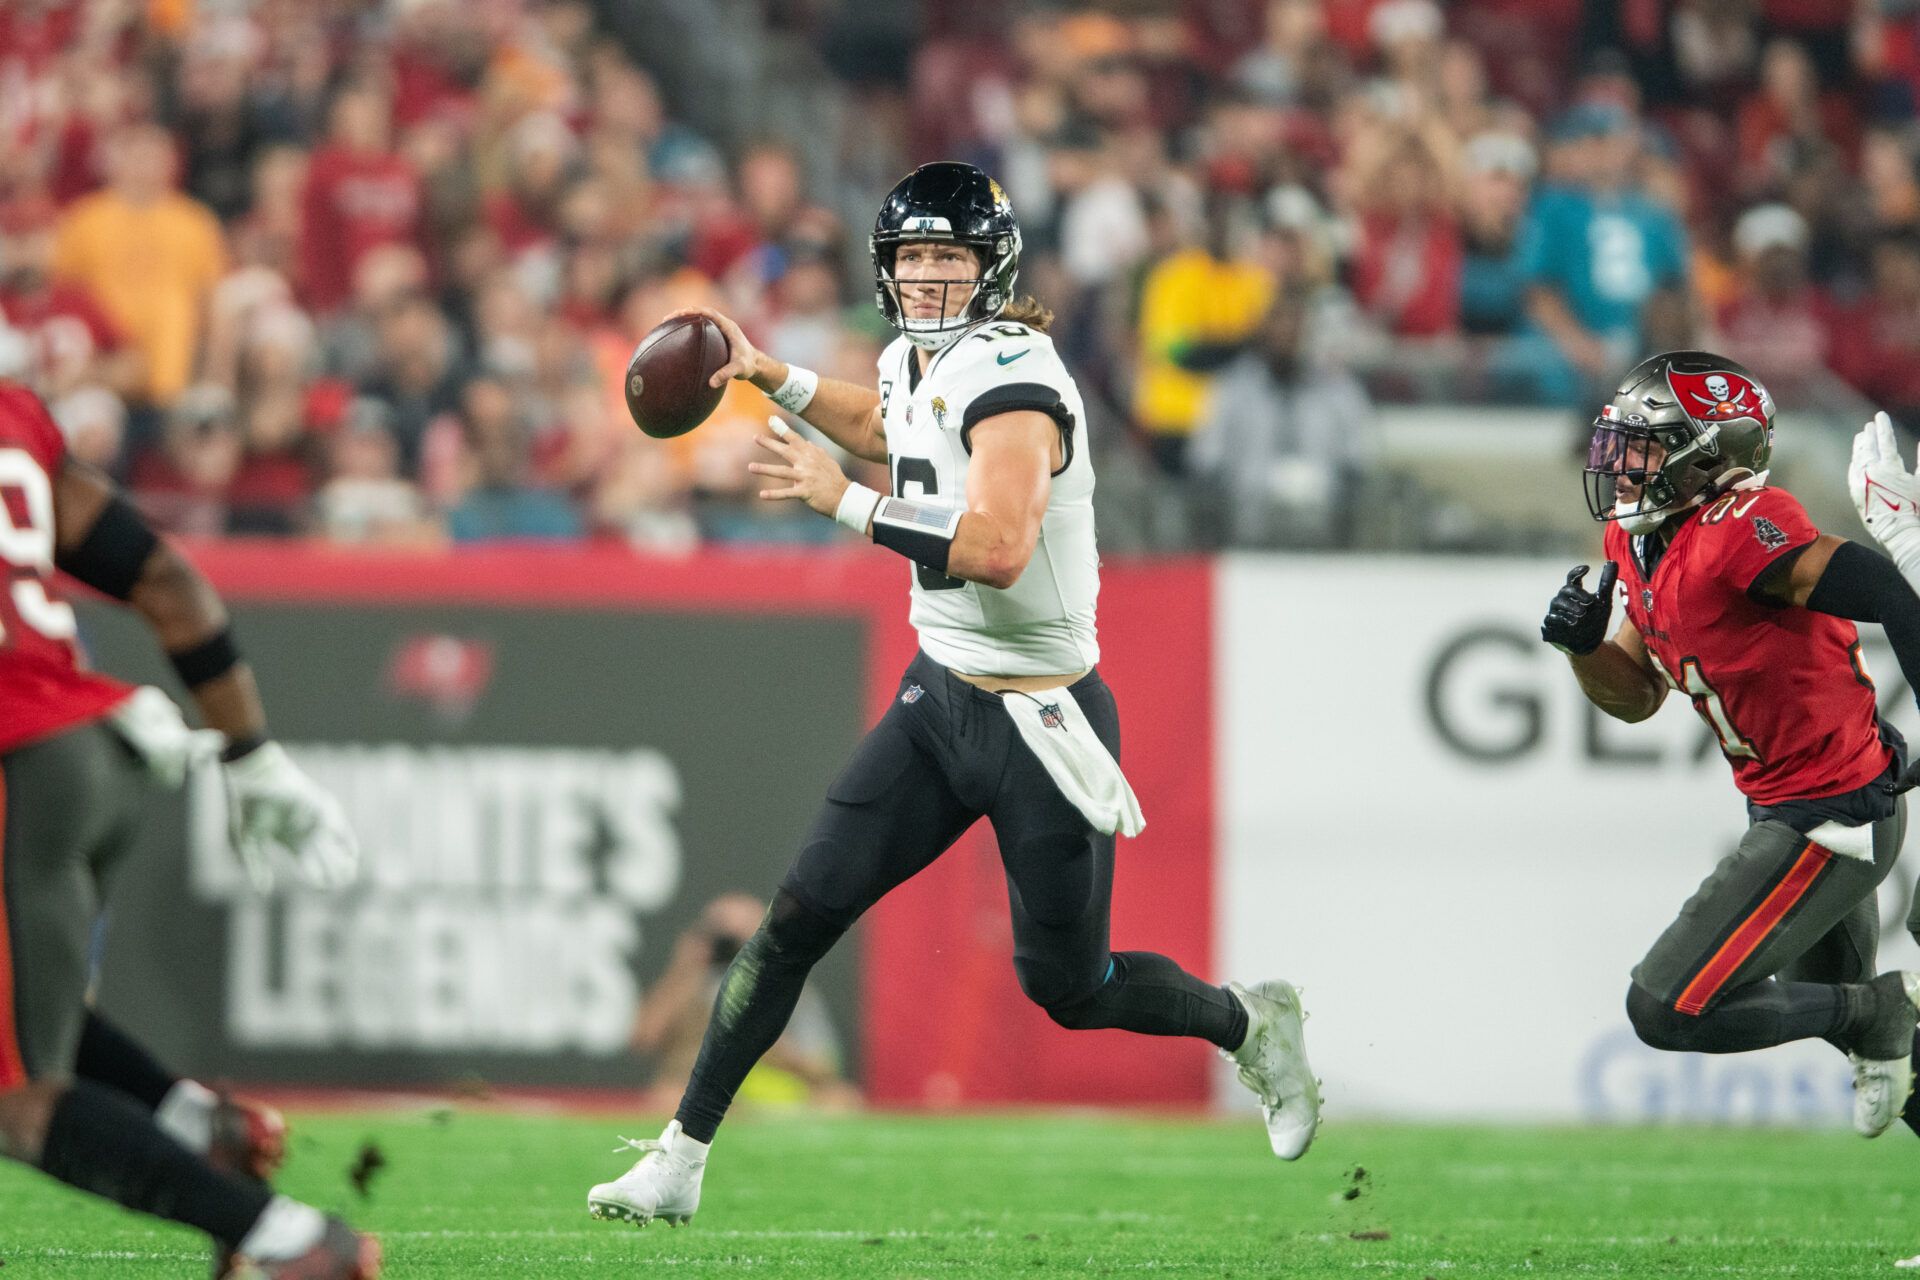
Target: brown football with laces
[(666, 380)]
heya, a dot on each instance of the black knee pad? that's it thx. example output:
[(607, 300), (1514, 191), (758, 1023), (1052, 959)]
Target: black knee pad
[(794, 933), (1070, 1003), (1658, 1024)]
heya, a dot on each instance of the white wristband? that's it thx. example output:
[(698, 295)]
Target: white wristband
[(797, 392), (856, 507)]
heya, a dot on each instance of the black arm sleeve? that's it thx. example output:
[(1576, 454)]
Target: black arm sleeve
[(109, 559), (1867, 587)]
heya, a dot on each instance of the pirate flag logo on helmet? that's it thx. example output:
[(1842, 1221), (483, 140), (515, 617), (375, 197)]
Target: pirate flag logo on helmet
[(1718, 397)]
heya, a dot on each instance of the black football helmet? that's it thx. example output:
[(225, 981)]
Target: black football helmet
[(955, 203), (1684, 425)]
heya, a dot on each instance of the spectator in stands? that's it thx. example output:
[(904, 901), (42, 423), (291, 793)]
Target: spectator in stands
[(388, 276), (419, 374), (1595, 249), (1887, 169), (1281, 442), (1406, 271), (182, 485), (806, 300), (73, 342), (1203, 300), (1778, 320), (365, 499), (1788, 114), (643, 496), (805, 1064), (149, 254), (499, 502), (268, 233), (359, 194), (223, 125), (1497, 174), (1879, 352)]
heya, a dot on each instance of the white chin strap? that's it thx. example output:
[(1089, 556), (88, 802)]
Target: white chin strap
[(932, 334), (1636, 521)]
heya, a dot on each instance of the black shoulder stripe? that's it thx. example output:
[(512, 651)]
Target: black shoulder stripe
[(1011, 398)]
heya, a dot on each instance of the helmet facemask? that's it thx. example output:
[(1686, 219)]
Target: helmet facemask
[(1671, 467), (991, 289)]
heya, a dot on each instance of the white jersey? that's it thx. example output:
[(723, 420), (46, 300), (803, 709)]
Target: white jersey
[(1042, 624)]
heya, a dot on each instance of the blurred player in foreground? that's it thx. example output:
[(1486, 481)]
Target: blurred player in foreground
[(1001, 715), (1734, 598), (78, 754)]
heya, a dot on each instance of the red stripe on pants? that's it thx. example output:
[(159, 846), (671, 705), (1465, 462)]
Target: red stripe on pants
[(1734, 951), (13, 1070)]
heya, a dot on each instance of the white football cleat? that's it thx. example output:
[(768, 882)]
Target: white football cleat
[(1881, 1087), (1273, 1063), (664, 1183)]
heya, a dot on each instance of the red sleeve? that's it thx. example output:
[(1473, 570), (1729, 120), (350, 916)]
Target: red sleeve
[(25, 424), (1753, 528)]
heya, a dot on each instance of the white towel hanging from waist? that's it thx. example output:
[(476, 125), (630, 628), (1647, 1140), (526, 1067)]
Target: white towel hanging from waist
[(1053, 726)]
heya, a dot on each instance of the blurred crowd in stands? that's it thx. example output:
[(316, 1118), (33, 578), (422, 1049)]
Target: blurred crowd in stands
[(369, 269)]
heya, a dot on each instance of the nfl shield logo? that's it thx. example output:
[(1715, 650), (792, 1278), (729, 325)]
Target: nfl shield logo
[(1646, 599), (1050, 715), (912, 695)]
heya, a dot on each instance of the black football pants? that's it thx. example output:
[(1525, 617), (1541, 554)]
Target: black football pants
[(945, 755)]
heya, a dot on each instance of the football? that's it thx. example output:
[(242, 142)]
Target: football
[(667, 391)]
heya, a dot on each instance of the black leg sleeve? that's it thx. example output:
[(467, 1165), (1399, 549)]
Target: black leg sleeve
[(756, 998), (99, 1140), (111, 1057)]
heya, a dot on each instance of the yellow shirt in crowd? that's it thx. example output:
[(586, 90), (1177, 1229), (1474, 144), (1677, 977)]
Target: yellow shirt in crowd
[(151, 267), (1190, 298)]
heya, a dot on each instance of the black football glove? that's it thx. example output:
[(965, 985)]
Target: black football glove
[(1577, 622)]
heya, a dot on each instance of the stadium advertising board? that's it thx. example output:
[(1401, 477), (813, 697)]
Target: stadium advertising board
[(545, 795), (1424, 823)]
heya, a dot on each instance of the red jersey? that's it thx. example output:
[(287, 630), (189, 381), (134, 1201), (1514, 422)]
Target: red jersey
[(1782, 688), (353, 203), (43, 689)]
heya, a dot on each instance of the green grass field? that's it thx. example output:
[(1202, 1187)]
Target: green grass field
[(475, 1194)]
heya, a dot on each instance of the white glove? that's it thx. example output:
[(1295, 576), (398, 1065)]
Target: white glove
[(150, 723), (277, 814), (1886, 495)]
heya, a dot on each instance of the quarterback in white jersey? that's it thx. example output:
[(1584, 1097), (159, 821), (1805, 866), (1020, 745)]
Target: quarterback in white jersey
[(1001, 716), (1042, 622)]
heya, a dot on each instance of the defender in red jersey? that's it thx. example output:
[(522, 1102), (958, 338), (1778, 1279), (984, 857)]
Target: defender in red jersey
[(1735, 599), (79, 755)]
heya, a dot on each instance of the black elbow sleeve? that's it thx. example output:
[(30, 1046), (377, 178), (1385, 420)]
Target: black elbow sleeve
[(114, 552)]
